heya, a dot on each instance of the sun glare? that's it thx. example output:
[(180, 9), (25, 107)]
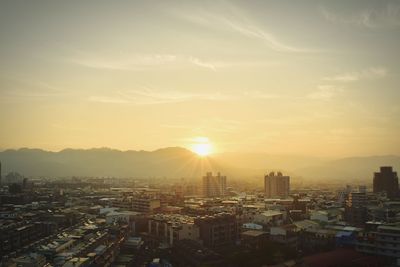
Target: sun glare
[(201, 146)]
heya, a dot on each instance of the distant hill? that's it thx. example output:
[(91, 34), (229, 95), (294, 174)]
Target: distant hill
[(177, 162), (350, 168), (105, 162), (360, 168)]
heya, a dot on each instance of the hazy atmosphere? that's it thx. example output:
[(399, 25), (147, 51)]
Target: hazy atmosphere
[(313, 78), (194, 133)]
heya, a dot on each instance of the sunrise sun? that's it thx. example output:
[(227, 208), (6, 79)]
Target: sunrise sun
[(201, 146)]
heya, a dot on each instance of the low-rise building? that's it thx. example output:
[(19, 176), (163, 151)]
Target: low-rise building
[(269, 217), (384, 241), (253, 239), (192, 254), (218, 230), (30, 260), (285, 234), (146, 204), (325, 216), (169, 228), (120, 216)]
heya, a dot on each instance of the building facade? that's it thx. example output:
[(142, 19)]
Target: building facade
[(384, 241), (386, 180), (218, 230), (214, 186), (355, 210), (276, 185), (170, 228)]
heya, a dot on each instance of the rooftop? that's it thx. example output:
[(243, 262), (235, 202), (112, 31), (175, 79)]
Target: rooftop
[(270, 213), (254, 233), (174, 219)]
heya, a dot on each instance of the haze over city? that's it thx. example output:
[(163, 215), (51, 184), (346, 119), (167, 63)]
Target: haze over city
[(218, 133)]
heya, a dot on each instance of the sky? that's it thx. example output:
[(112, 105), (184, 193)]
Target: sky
[(317, 78)]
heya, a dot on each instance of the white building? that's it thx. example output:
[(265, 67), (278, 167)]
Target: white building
[(325, 216), (269, 217), (120, 216), (169, 228), (285, 234), (252, 226)]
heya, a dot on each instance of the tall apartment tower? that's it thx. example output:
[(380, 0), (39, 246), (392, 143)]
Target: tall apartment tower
[(355, 210), (214, 186), (276, 185), (386, 180)]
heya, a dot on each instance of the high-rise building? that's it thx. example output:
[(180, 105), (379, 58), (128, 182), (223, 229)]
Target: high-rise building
[(276, 185), (214, 186), (386, 180), (355, 210)]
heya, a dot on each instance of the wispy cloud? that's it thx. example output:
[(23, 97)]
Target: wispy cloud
[(202, 64), (385, 16), (21, 87), (135, 62), (239, 23), (199, 127), (253, 31), (261, 95), (139, 62), (148, 96), (176, 126), (325, 92), (108, 99), (377, 72)]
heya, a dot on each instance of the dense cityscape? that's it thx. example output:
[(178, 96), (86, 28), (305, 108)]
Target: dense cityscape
[(207, 222)]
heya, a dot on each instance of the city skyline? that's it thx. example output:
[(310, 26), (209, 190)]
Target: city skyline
[(316, 78)]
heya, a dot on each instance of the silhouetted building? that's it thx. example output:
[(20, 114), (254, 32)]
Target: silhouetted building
[(16, 235), (386, 181), (253, 239), (214, 186), (276, 185), (383, 241), (190, 253), (355, 210), (218, 230), (13, 178)]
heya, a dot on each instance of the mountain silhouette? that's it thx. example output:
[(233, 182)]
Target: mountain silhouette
[(177, 162), (105, 162)]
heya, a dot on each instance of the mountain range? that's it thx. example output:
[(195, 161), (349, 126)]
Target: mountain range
[(177, 162)]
